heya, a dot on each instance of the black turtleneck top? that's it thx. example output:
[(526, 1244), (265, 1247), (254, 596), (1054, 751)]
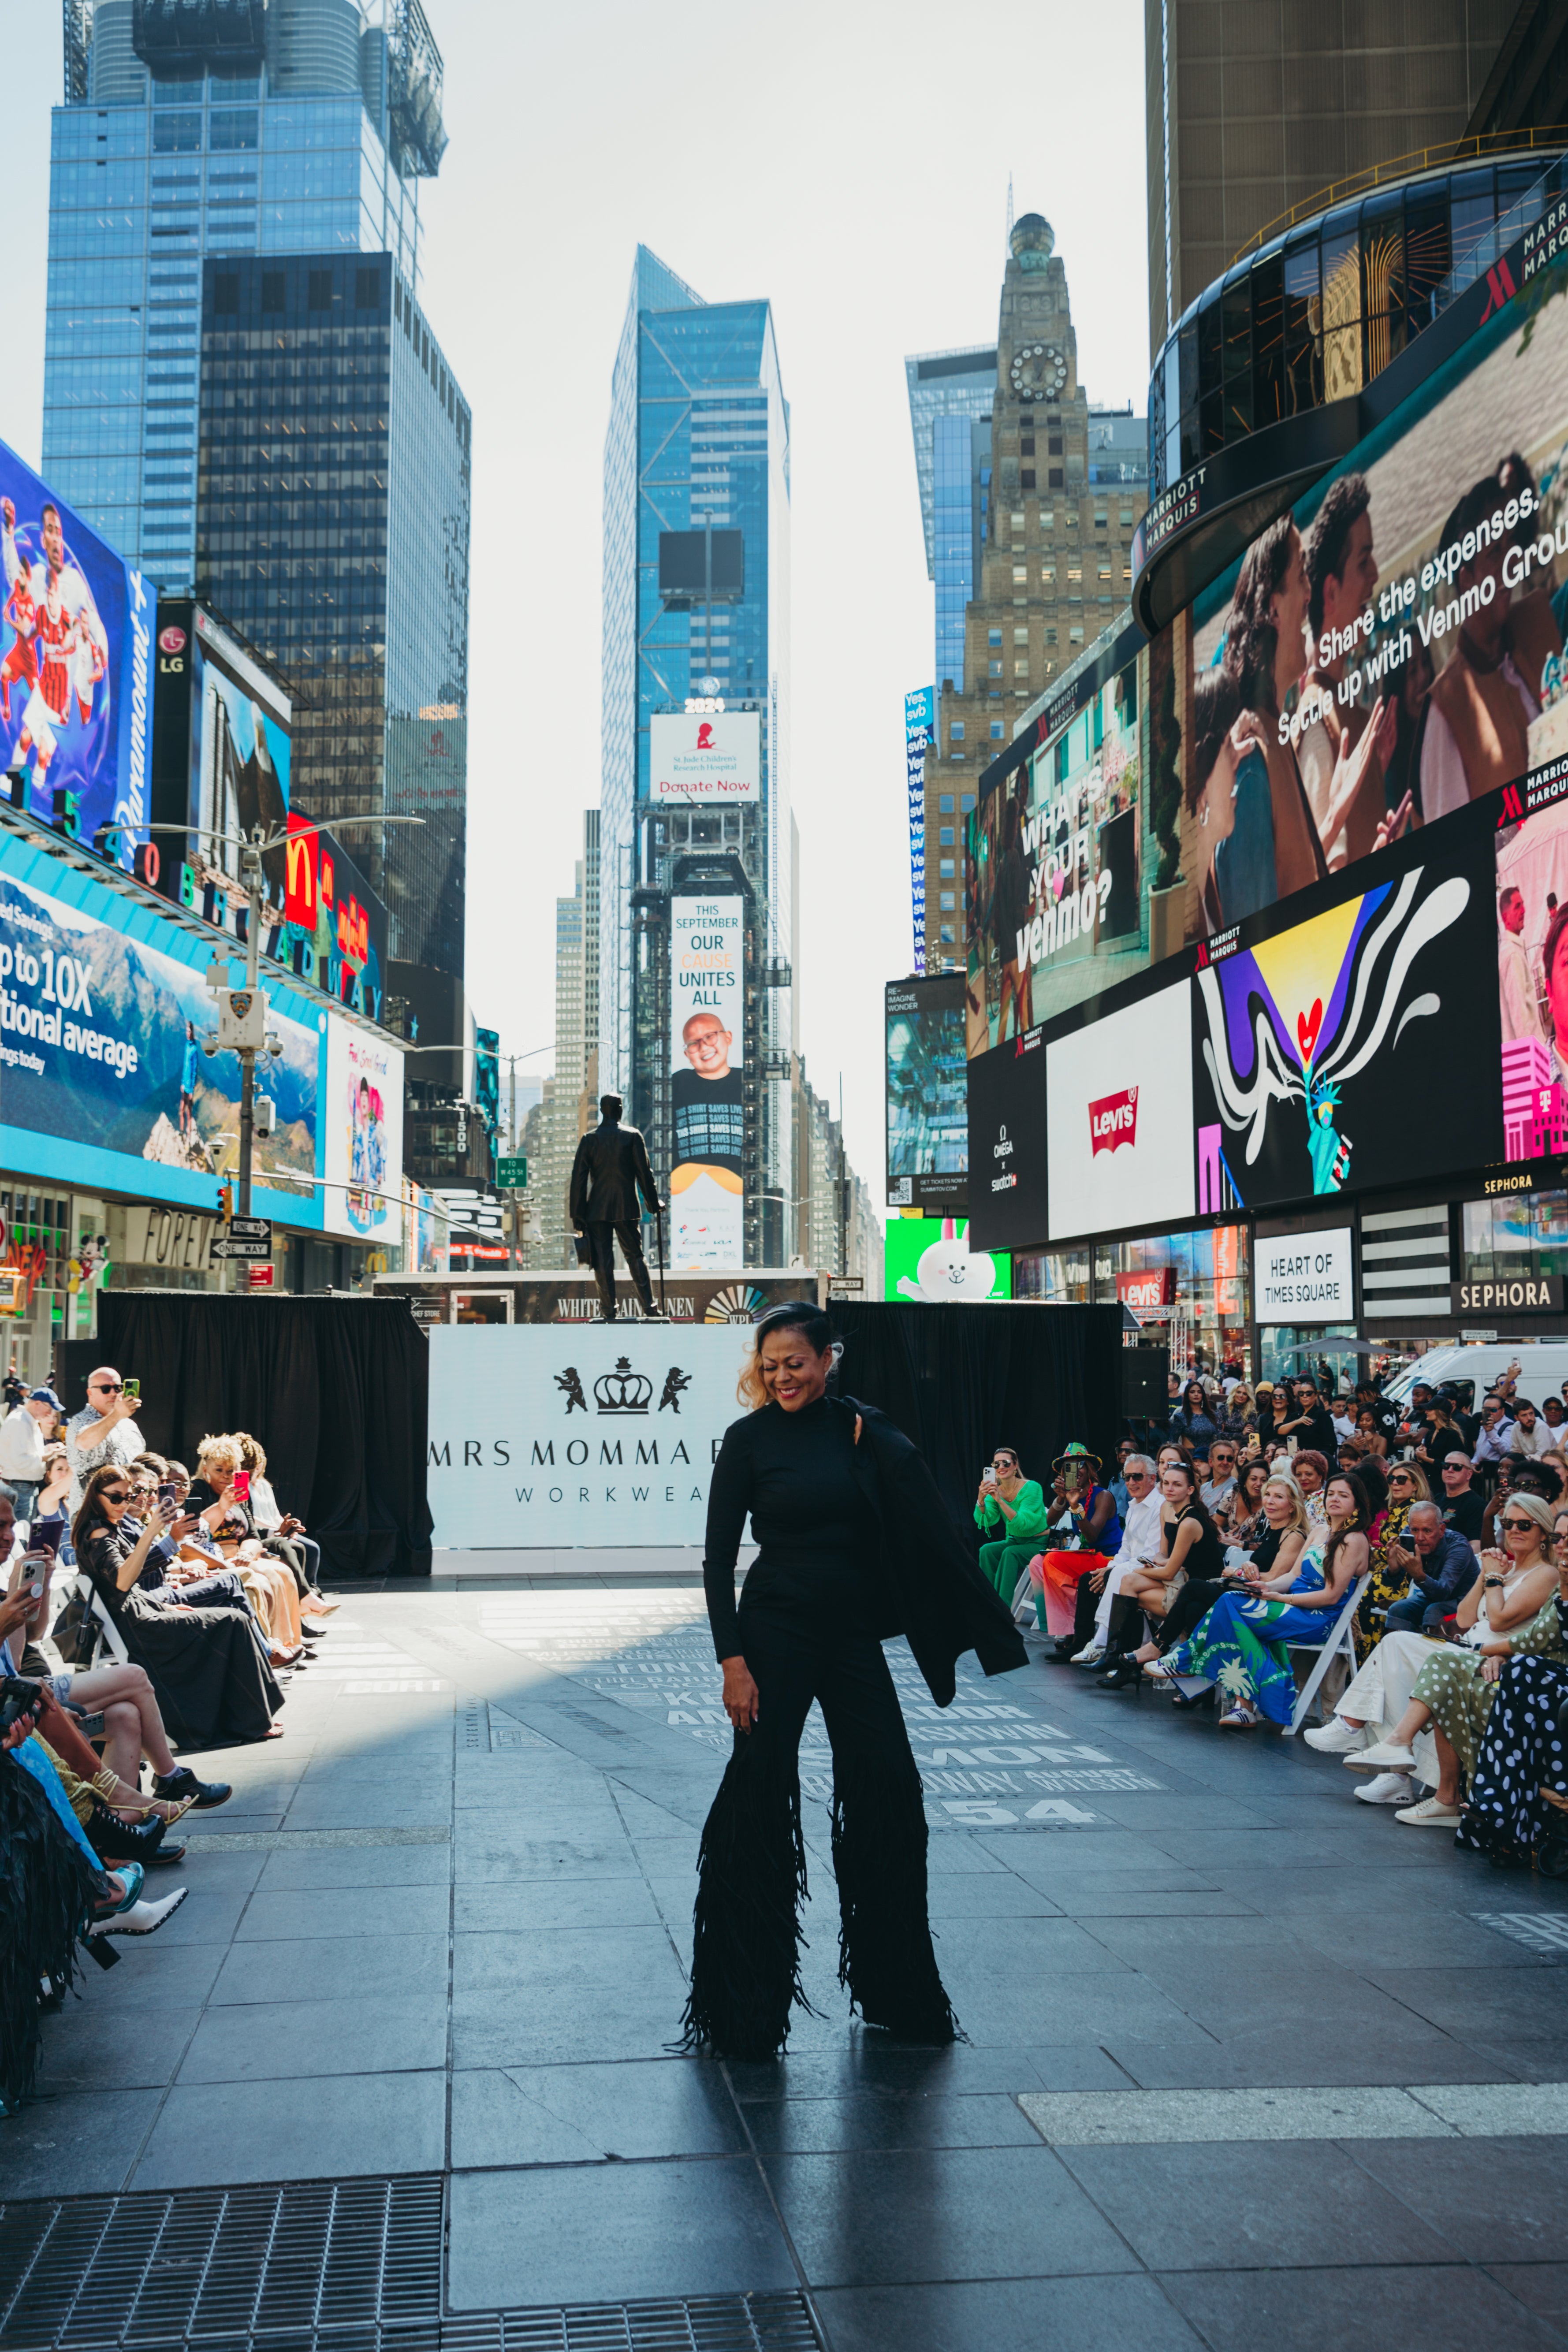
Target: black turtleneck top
[(820, 1538)]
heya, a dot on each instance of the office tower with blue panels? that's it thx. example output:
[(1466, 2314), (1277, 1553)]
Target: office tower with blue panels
[(198, 127), (698, 439), (242, 391), (951, 394)]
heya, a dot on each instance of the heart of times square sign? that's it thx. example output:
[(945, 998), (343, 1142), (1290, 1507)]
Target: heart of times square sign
[(601, 1435)]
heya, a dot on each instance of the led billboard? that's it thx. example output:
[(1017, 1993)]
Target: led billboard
[(928, 1114), (1007, 1145), (1391, 649), (1054, 870), (362, 1123), (707, 1053), (103, 1079), (76, 654), (1320, 1046), (1120, 1098), (929, 1259), (715, 755)]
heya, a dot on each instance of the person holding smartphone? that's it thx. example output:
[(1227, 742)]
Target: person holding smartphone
[(104, 1435), (1010, 1510)]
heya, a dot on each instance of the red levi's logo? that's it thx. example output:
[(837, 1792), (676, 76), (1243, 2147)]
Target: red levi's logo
[(1113, 1119)]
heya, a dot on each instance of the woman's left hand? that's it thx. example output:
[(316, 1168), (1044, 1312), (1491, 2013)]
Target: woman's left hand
[(1491, 1669)]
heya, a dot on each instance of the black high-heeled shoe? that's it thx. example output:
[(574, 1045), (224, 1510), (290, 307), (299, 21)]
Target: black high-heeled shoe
[(113, 1840), (1124, 1674)]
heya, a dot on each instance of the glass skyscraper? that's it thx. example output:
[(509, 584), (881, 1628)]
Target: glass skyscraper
[(698, 428), (230, 129), (243, 394), (950, 397)]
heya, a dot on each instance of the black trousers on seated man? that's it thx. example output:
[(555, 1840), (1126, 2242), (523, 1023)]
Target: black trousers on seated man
[(602, 1238)]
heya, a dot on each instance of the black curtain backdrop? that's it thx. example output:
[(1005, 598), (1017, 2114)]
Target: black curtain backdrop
[(960, 1380), (335, 1389)]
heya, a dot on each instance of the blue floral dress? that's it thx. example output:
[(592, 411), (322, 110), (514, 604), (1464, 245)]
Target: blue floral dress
[(1240, 1644)]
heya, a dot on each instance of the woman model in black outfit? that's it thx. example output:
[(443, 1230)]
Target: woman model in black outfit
[(213, 1683), (856, 1547)]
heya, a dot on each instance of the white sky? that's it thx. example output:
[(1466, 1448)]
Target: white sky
[(851, 164)]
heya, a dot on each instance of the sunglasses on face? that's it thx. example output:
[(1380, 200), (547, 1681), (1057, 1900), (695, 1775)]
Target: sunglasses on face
[(109, 1388), (1518, 1526), (116, 1500)]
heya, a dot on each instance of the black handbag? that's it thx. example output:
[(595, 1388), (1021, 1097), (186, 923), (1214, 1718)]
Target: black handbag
[(76, 1632), (580, 1243)]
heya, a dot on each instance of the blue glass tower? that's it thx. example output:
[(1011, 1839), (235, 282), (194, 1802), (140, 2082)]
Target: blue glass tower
[(193, 127), (698, 428), (950, 398)]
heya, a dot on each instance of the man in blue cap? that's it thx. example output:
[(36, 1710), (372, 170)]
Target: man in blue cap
[(22, 1446)]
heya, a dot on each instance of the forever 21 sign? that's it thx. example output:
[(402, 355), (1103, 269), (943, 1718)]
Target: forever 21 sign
[(598, 1435)]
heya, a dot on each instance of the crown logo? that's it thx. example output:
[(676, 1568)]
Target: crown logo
[(623, 1391)]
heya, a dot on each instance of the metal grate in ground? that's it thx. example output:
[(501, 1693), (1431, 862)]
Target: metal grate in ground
[(310, 2267)]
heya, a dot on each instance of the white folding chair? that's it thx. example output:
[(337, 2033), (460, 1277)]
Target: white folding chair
[(1341, 1644)]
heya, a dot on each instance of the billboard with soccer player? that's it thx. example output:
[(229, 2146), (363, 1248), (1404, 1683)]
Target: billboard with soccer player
[(76, 649)]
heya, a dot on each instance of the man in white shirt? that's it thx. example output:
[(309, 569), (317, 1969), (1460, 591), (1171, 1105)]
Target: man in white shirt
[(1516, 981), (1220, 1487), (1139, 1542), (1530, 1434), (22, 1446)]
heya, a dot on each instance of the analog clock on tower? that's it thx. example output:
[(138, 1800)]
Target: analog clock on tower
[(1040, 371)]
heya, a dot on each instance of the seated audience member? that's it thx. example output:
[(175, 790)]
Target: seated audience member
[(1193, 1419), (1244, 1524), (1310, 1423), (1240, 1645), (1118, 1482), (1263, 1398), (1442, 1567), (1516, 1809), (1310, 1471), (1372, 1437), (1530, 1434), (1010, 1510), (281, 1532), (1100, 1587), (1554, 1413), (1501, 1489), (214, 1686), (1342, 1415), (1504, 1613), (1275, 1554), (1083, 1512), (1240, 1417), (1541, 1476), (1441, 1436), (1461, 1507), (1190, 1546), (231, 1524), (1220, 1485)]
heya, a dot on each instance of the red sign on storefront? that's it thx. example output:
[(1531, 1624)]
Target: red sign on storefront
[(1147, 1292)]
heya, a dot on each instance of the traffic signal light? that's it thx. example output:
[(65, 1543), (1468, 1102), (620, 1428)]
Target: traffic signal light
[(226, 1200)]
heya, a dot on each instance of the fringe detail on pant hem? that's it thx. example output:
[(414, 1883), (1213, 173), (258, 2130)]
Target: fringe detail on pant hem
[(746, 1936), (47, 1893), (885, 1955)]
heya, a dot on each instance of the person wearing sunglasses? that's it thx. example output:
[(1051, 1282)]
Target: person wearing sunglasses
[(1510, 1610), (207, 1665), (104, 1435)]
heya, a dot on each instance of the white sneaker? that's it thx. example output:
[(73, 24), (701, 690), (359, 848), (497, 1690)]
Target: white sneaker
[(1336, 1739), (1388, 1789), (1093, 1657), (1383, 1756), (1431, 1814)]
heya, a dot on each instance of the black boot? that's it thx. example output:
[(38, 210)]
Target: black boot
[(113, 1840), (183, 1782)]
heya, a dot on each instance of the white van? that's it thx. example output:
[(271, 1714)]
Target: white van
[(1542, 1367)]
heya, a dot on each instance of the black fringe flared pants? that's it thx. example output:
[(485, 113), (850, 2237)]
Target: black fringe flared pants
[(745, 1970)]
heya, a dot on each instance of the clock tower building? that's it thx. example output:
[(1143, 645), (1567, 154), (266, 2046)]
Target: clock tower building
[(1053, 560)]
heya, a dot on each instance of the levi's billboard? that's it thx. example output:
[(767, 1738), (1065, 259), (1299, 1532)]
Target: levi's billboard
[(1120, 1092), (705, 756)]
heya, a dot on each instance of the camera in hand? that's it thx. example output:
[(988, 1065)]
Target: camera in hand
[(17, 1698)]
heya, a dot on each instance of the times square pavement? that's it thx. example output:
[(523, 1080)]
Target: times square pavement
[(442, 1929)]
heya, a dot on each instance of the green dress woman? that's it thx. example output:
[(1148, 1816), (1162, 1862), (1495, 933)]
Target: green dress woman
[(1011, 1509)]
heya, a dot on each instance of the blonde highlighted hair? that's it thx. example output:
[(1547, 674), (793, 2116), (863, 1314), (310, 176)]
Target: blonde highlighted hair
[(226, 1450), (1298, 1524)]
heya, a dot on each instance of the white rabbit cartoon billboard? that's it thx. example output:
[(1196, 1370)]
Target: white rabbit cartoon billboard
[(930, 1259)]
